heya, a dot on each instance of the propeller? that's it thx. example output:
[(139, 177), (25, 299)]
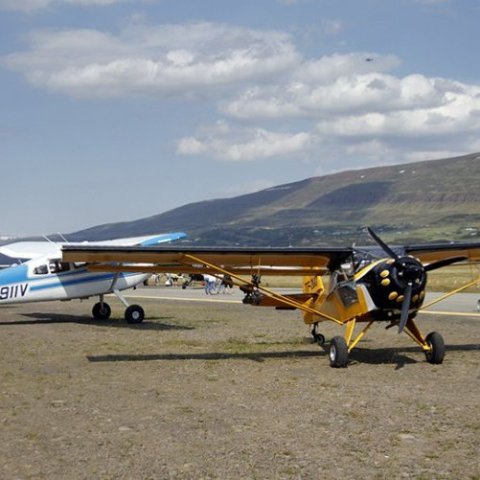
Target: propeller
[(382, 244), (405, 307), (410, 270)]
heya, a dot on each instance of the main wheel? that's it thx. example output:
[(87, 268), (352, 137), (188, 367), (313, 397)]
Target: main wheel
[(437, 348), (134, 314), (101, 311), (338, 352)]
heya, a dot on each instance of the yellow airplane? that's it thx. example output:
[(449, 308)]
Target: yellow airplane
[(342, 285)]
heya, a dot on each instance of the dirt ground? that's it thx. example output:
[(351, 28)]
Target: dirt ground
[(229, 392)]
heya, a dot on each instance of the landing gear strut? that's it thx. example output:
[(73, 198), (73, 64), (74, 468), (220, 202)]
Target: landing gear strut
[(317, 337)]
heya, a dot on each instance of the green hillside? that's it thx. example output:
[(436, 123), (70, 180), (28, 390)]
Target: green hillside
[(424, 201)]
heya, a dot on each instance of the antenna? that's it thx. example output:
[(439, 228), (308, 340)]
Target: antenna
[(48, 240), (62, 236)]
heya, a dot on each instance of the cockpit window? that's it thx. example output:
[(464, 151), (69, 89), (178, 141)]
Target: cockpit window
[(41, 270), (56, 266)]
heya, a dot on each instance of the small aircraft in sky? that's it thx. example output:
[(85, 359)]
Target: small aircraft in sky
[(347, 286), (44, 276)]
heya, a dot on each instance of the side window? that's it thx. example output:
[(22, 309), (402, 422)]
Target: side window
[(56, 266), (40, 270)]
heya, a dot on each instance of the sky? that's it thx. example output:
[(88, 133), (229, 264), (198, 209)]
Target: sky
[(115, 110)]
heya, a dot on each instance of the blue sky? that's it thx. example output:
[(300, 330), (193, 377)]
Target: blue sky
[(114, 110)]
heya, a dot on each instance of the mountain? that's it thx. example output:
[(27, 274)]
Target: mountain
[(423, 201)]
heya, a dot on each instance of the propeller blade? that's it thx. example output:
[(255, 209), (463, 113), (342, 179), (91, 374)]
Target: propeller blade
[(443, 263), (405, 307), (382, 244)]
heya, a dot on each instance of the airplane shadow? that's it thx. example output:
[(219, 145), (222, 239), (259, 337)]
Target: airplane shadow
[(393, 356), (46, 318), (399, 355), (254, 356)]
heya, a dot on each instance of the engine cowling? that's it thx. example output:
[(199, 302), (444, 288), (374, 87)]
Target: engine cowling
[(388, 280)]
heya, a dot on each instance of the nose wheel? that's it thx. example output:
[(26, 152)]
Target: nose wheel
[(134, 314)]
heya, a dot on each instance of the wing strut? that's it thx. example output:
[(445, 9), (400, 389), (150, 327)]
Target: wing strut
[(449, 294), (287, 301)]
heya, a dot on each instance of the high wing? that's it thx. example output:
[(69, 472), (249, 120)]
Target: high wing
[(436, 253), (144, 241), (27, 250), (284, 261)]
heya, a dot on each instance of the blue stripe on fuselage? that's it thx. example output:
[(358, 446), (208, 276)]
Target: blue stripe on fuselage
[(86, 278), (14, 275)]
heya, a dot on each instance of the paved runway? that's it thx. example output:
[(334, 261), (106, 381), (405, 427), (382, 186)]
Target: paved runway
[(460, 304)]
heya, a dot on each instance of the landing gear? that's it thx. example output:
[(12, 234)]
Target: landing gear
[(101, 311), (134, 314), (338, 352), (317, 337), (437, 348)]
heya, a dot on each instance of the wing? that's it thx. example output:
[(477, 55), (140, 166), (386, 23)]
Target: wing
[(428, 254), (33, 249), (29, 250), (278, 261), (144, 241)]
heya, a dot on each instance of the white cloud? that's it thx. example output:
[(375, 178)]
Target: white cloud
[(455, 113), (339, 106), (160, 61), (329, 84), (354, 108), (247, 144)]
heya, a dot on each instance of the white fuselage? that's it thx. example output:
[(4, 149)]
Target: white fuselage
[(44, 279)]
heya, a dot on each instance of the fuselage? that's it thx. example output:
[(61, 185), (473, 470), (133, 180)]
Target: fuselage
[(376, 291), (47, 278)]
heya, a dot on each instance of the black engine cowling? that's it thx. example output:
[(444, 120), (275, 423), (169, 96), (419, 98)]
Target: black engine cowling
[(387, 282)]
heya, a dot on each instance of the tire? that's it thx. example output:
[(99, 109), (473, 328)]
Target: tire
[(319, 338), (101, 311), (338, 352), (134, 314), (437, 345)]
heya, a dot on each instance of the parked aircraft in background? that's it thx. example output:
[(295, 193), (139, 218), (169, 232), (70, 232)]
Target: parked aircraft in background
[(45, 276)]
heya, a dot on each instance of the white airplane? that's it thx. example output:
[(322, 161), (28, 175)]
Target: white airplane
[(45, 277)]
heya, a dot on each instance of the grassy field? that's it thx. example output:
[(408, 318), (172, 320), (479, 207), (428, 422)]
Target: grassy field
[(221, 391)]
